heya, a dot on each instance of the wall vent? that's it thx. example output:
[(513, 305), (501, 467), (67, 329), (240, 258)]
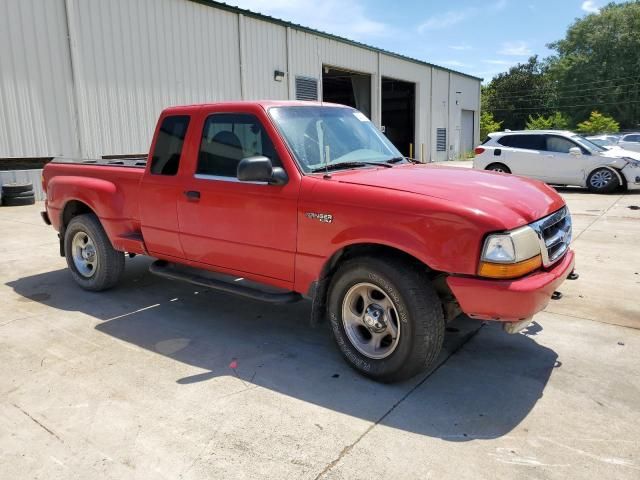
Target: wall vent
[(441, 139), (306, 89)]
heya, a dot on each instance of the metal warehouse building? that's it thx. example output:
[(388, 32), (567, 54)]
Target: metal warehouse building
[(89, 77)]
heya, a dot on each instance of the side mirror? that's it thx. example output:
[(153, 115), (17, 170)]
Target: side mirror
[(260, 169), (575, 151)]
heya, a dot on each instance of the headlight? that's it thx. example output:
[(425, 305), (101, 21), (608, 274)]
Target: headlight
[(510, 255)]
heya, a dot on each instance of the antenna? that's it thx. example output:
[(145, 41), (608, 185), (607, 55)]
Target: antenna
[(326, 162)]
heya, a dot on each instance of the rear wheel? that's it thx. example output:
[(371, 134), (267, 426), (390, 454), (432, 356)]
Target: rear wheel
[(95, 265), (603, 180), (386, 318), (498, 167)]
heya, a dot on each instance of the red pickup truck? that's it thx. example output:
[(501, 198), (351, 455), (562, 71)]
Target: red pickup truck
[(280, 201)]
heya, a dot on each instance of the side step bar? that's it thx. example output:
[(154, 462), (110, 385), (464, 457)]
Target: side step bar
[(166, 270)]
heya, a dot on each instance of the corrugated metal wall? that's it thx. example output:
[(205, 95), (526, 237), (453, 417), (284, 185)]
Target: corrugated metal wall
[(36, 89), (130, 59), (133, 58)]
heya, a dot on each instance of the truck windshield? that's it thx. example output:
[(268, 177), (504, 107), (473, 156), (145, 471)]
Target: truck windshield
[(320, 136)]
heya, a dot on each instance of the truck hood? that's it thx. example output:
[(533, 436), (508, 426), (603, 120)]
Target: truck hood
[(511, 200)]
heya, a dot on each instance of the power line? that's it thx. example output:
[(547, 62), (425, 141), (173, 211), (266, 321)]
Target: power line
[(552, 91), (562, 107), (635, 77)]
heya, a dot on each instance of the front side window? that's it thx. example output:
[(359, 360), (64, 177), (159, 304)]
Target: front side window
[(632, 138), (227, 138), (331, 135), (559, 144), (166, 153), (528, 142)]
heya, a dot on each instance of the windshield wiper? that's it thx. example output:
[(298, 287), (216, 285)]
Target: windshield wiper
[(400, 159), (339, 165)]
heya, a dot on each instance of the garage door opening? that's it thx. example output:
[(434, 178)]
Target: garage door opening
[(347, 88), (398, 105)]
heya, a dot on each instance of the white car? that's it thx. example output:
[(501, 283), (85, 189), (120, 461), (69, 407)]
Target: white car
[(559, 158), (630, 141)]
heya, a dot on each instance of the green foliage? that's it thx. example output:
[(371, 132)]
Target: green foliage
[(488, 124), (595, 66), (598, 123), (557, 121), (509, 95)]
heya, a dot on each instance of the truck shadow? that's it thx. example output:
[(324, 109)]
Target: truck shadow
[(487, 384)]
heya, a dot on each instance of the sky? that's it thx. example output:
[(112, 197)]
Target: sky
[(481, 38)]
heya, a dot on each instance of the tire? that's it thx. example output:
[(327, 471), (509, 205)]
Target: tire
[(603, 180), (18, 201), (11, 189), (30, 193), (86, 243), (415, 312), (498, 167)]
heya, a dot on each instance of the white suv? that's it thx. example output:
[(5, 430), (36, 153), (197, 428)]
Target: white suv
[(559, 158)]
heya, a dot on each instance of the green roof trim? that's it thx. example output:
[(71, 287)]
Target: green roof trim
[(284, 23)]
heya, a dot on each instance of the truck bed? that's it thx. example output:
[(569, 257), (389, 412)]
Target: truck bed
[(131, 162)]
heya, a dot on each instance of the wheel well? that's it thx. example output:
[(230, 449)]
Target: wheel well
[(498, 163), (73, 209), (621, 179), (319, 288), (367, 249)]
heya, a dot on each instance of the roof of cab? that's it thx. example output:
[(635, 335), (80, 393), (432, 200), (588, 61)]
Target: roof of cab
[(263, 103)]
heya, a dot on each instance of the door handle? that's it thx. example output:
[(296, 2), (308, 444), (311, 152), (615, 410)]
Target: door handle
[(192, 195)]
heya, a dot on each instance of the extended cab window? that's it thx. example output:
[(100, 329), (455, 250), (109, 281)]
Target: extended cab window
[(227, 138), (529, 142), (166, 154)]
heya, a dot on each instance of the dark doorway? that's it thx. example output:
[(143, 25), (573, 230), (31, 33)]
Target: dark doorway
[(347, 88), (398, 114)]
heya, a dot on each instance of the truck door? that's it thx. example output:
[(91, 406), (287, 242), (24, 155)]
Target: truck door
[(161, 187), (243, 226)]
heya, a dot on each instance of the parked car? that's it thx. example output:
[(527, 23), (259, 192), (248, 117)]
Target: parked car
[(606, 141), (630, 141), (293, 200), (559, 158)]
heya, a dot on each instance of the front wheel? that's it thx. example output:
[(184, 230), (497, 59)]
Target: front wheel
[(95, 265), (386, 318), (603, 180)]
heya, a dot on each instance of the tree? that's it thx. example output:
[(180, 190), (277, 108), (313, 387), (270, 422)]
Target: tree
[(514, 95), (557, 121), (597, 64), (598, 123), (488, 124)]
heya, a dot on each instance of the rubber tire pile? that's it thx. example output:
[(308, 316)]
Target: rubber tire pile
[(16, 194)]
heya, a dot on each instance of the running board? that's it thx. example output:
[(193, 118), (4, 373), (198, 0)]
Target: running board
[(167, 270)]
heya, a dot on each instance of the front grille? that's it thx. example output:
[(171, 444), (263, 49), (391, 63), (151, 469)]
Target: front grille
[(554, 233)]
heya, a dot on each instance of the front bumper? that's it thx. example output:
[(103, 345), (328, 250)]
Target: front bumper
[(510, 300), (632, 175)]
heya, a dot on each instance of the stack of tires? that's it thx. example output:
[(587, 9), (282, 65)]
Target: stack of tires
[(15, 194)]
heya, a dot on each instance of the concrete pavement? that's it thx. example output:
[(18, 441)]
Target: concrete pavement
[(156, 379)]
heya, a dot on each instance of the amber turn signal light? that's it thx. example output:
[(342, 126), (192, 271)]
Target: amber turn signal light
[(509, 270)]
